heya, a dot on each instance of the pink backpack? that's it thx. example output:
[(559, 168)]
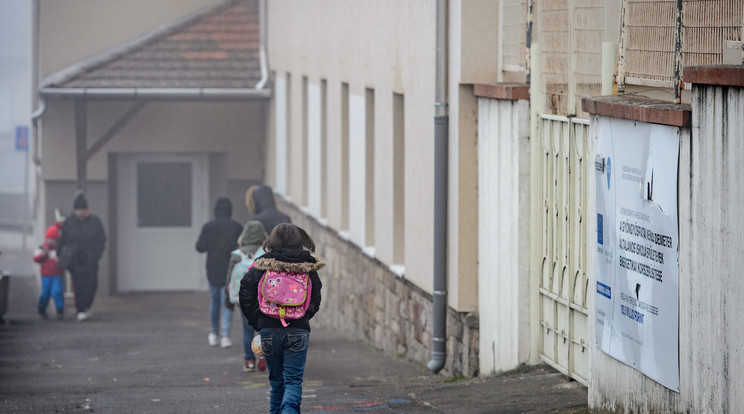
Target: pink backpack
[(284, 295)]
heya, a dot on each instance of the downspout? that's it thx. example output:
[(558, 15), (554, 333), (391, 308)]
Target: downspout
[(40, 103), (441, 138), (263, 58)]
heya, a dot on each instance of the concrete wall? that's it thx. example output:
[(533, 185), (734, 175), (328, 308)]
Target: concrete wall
[(710, 286), (383, 48), (107, 24), (503, 237), (363, 299)]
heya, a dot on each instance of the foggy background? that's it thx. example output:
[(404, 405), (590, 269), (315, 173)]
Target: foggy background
[(15, 124)]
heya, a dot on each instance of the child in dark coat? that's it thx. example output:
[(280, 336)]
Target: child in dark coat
[(218, 238), (288, 249)]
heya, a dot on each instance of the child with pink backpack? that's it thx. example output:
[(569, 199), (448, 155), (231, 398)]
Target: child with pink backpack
[(278, 296)]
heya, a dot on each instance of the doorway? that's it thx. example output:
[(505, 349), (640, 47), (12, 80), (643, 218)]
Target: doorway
[(161, 205)]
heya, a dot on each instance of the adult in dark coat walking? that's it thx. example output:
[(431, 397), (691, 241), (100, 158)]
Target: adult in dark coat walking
[(218, 238), (262, 205), (81, 246)]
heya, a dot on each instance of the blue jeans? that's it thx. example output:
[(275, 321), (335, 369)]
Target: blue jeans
[(248, 334), (217, 303), (51, 286), (285, 351)]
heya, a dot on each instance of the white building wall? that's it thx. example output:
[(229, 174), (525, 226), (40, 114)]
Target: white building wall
[(503, 245), (388, 47), (107, 24)]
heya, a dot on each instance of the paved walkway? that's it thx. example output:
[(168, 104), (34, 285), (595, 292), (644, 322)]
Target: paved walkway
[(148, 353)]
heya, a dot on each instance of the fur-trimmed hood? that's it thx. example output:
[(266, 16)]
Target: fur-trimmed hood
[(289, 260)]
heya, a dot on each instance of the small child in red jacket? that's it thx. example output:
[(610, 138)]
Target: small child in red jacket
[(51, 274)]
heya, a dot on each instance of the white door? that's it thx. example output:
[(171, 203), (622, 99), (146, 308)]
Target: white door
[(161, 206)]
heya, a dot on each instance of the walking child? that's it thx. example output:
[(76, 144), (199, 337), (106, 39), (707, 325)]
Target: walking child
[(240, 261), (284, 341), (51, 274)]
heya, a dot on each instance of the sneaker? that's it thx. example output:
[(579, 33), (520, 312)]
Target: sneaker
[(262, 364), (213, 341), (225, 342), (81, 316), (43, 315), (250, 365)]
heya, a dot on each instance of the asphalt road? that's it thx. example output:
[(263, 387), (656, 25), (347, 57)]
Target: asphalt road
[(148, 353)]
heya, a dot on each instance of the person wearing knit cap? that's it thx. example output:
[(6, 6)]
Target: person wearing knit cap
[(81, 247), (80, 202), (51, 273)]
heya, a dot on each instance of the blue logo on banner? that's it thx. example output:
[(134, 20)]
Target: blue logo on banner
[(600, 229), (609, 172), (604, 290)]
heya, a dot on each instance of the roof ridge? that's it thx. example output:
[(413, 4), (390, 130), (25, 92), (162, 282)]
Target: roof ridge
[(70, 72)]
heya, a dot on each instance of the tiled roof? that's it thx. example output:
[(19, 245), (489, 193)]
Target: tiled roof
[(218, 49)]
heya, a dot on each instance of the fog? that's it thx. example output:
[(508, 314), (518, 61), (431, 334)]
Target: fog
[(15, 128)]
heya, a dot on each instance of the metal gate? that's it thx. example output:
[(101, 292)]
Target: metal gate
[(563, 280)]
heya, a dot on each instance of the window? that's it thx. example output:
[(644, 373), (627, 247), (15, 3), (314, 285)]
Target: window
[(164, 194), (369, 167), (345, 156), (399, 182)]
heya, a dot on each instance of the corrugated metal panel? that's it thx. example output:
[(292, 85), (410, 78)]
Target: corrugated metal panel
[(501, 287), (563, 285)]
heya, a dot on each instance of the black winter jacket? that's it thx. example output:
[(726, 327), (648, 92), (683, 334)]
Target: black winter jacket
[(287, 260), (266, 212), (86, 240), (218, 238)]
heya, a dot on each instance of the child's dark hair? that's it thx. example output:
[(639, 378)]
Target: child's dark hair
[(288, 236)]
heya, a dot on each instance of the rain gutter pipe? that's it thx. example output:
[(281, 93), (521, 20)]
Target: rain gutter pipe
[(262, 45), (40, 104), (157, 93), (441, 138)]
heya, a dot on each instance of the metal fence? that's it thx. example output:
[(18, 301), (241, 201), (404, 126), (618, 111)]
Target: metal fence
[(563, 283)]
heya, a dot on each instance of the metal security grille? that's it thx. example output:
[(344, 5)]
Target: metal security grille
[(563, 280), (571, 35), (649, 27), (708, 25), (588, 33), (650, 36), (556, 53)]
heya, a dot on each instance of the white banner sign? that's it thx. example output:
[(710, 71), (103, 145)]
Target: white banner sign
[(637, 291)]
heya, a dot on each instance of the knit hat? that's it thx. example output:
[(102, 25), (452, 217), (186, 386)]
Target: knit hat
[(52, 232), (80, 202)]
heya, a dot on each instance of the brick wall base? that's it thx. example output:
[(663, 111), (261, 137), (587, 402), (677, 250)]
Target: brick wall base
[(363, 299)]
